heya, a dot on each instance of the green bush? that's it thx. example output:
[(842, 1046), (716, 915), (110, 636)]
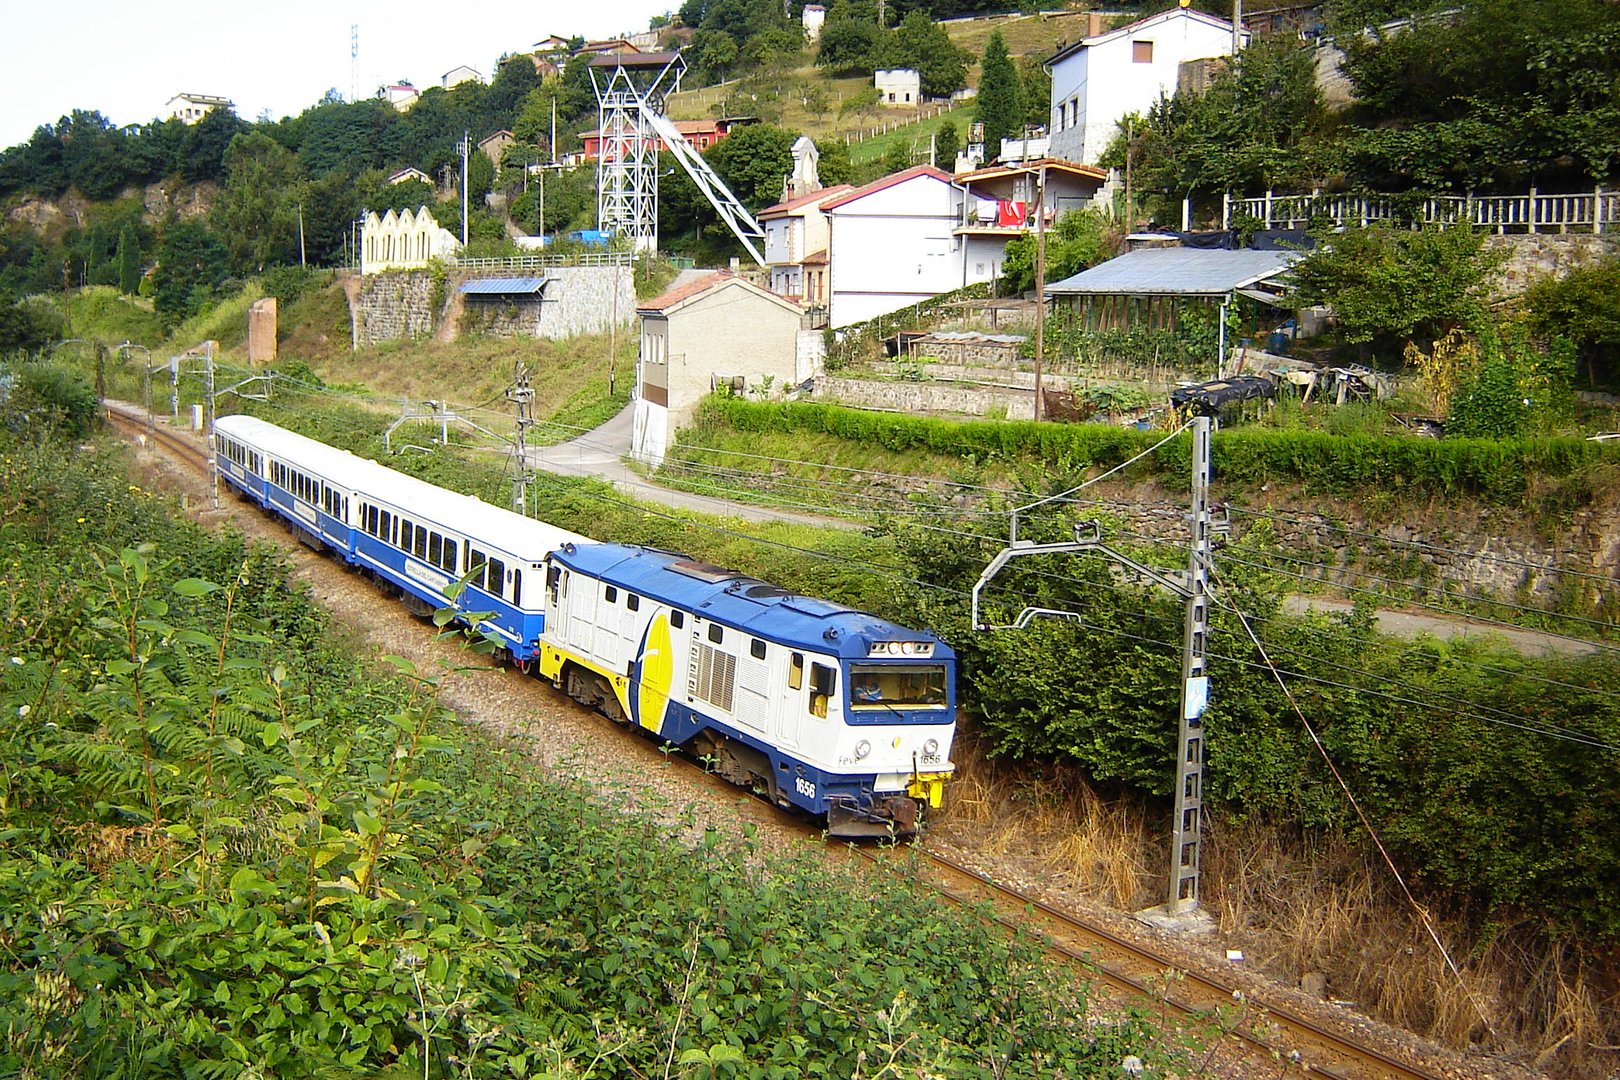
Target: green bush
[(1498, 471), (226, 845), (46, 399)]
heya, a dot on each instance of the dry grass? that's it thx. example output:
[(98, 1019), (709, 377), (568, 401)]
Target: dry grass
[(1057, 827), (1299, 905)]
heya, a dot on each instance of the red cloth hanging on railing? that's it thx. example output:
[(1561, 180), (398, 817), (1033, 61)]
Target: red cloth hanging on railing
[(1010, 213)]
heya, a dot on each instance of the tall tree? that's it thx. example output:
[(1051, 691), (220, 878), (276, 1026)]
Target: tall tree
[(947, 142), (1001, 99), (922, 44), (256, 212), (191, 265), (752, 161), (129, 261), (206, 142)]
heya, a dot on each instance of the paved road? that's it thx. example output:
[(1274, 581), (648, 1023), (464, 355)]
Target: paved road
[(601, 453), (1410, 624)]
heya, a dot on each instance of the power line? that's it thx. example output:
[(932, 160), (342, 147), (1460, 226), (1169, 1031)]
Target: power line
[(1366, 822)]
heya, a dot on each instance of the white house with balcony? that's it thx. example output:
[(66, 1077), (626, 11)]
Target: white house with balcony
[(890, 244), (1101, 78), (922, 232), (1004, 201)]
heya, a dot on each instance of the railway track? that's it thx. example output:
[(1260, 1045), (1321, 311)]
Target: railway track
[(1253, 1028)]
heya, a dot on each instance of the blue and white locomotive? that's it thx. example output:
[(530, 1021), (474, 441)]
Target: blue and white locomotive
[(817, 706)]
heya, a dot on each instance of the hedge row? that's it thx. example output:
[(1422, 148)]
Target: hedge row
[(1497, 471)]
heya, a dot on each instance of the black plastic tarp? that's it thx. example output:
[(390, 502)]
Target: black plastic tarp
[(1207, 399)]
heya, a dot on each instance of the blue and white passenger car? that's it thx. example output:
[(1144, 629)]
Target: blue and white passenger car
[(816, 705), (417, 537)]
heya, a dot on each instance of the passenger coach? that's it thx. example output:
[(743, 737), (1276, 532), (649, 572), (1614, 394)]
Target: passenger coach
[(417, 537)]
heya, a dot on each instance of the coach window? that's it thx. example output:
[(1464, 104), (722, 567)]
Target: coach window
[(421, 542), (387, 526), (496, 578), (822, 684), (677, 619), (796, 671), (435, 548), (475, 563), (449, 562), (517, 588), (756, 649)]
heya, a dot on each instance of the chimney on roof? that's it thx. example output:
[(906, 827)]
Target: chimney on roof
[(1094, 23)]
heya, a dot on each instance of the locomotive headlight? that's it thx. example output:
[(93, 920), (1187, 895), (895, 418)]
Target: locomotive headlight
[(862, 748), (931, 747)]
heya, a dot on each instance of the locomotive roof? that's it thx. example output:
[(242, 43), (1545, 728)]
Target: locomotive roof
[(735, 599), (499, 528)]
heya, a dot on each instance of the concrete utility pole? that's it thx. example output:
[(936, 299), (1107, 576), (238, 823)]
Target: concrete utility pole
[(1187, 828), (465, 146), (1040, 286), (522, 397), (1187, 831)]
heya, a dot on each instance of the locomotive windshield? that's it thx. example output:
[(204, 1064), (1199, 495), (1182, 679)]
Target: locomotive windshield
[(895, 686)]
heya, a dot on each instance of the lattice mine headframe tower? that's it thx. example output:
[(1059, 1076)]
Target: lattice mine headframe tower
[(630, 93)]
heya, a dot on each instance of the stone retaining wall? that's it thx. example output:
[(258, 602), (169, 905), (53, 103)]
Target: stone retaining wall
[(961, 399), (1536, 255), (399, 305), (1578, 573)]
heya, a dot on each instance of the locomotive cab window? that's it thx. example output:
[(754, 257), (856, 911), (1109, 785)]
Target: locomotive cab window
[(796, 671), (890, 686), (756, 649), (677, 619), (716, 633), (632, 601), (610, 594), (822, 682)]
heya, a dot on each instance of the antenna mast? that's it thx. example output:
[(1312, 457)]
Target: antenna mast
[(354, 63)]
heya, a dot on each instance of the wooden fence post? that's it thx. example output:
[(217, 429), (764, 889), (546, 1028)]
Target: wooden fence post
[(1531, 213), (1597, 208)]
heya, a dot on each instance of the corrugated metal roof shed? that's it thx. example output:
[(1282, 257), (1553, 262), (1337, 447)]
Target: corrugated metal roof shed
[(1176, 272), (504, 286)]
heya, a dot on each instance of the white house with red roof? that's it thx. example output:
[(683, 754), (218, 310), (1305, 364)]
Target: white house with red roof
[(713, 329), (1099, 79), (796, 236), (890, 244)]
